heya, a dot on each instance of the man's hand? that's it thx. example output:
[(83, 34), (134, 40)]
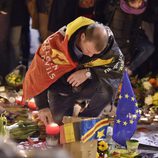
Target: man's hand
[(45, 116), (129, 71), (77, 78)]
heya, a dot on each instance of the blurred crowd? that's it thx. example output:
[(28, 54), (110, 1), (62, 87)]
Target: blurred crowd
[(8, 149), (133, 22)]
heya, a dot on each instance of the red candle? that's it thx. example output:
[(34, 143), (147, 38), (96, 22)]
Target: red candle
[(32, 105), (52, 129), (19, 101)]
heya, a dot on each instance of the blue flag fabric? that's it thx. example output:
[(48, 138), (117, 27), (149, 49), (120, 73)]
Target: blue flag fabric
[(93, 129), (127, 114)]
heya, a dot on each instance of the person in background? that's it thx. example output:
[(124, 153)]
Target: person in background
[(86, 8), (5, 6), (150, 23), (18, 19), (39, 11), (25, 40), (61, 13), (125, 18), (81, 61), (43, 9), (72, 9), (143, 46)]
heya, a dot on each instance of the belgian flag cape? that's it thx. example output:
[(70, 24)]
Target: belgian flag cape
[(52, 60)]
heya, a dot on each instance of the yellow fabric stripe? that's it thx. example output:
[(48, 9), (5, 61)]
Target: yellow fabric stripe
[(76, 24), (59, 57), (86, 139), (69, 133), (98, 62), (93, 130)]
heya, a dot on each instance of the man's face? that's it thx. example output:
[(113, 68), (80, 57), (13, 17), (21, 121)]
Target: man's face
[(137, 4), (87, 47)]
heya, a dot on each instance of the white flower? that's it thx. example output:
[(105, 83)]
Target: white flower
[(144, 79), (148, 100), (147, 85)]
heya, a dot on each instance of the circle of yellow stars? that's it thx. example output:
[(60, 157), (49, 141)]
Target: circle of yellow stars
[(134, 116)]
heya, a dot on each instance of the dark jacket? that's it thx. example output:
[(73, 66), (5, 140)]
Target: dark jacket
[(126, 27), (108, 75), (5, 5), (151, 13), (43, 6), (19, 13), (62, 12)]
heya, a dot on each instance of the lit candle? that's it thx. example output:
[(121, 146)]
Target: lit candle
[(19, 101), (52, 129), (147, 115), (144, 119), (156, 116), (155, 120), (31, 104)]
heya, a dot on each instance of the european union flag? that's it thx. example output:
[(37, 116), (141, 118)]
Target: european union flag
[(127, 114), (93, 129)]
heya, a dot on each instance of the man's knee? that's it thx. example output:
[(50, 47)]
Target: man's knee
[(106, 96), (97, 103)]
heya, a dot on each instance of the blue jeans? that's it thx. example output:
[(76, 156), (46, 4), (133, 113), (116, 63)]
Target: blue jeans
[(15, 41), (62, 104), (144, 49)]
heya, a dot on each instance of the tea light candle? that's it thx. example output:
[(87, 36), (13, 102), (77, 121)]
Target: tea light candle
[(155, 120), (147, 115), (156, 116), (144, 119)]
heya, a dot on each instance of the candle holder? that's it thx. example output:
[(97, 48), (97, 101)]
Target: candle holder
[(132, 145), (52, 140), (52, 131)]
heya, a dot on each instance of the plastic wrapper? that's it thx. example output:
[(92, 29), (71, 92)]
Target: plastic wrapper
[(9, 96), (15, 78)]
